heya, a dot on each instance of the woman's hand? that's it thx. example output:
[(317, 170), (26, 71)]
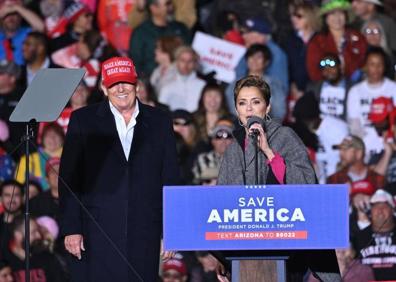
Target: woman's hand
[(222, 274), (262, 140)]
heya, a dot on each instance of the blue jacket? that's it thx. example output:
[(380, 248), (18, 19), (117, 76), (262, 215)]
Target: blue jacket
[(296, 52), (16, 42)]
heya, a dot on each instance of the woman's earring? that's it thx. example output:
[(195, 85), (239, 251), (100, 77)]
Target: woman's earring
[(240, 122), (267, 117)]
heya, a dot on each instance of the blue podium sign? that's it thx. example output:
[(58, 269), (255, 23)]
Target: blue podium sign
[(266, 217)]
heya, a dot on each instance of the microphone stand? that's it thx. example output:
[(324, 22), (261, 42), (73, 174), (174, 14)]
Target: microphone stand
[(255, 140), (43, 100), (254, 134), (29, 135)]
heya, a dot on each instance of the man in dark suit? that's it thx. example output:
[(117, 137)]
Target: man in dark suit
[(117, 156)]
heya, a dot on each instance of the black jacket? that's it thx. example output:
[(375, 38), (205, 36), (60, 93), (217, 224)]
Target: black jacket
[(123, 197)]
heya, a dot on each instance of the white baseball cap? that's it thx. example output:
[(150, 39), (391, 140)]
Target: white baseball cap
[(381, 196)]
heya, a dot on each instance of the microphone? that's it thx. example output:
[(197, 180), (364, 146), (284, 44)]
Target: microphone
[(252, 120)]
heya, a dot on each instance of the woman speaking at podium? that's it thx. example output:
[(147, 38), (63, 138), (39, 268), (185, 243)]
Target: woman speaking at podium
[(281, 159), (282, 156)]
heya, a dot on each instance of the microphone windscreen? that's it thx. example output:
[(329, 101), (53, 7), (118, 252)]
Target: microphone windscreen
[(254, 119)]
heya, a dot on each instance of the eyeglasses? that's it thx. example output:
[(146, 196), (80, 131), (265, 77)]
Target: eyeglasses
[(372, 31), (181, 122), (327, 63), (222, 135)]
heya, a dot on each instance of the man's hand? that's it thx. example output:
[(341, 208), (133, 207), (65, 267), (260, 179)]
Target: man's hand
[(74, 244), (7, 9), (166, 255), (361, 202)]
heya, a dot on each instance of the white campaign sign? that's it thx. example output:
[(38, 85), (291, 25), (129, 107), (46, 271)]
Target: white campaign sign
[(218, 55)]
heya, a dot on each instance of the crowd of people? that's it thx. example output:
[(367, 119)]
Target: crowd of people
[(331, 69)]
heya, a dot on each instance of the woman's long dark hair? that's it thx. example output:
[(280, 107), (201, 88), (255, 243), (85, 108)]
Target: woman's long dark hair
[(325, 29), (200, 114)]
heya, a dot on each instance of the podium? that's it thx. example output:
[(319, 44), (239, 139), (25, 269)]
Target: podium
[(256, 227), (258, 269)]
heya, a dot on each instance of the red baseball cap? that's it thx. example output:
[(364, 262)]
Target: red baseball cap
[(234, 36), (118, 69), (175, 264), (380, 109), (362, 186)]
